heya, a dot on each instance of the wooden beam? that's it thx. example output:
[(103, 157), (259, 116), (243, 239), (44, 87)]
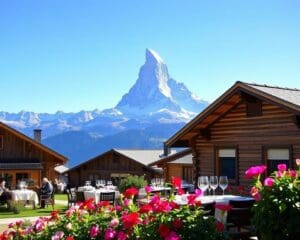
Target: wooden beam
[(205, 133)]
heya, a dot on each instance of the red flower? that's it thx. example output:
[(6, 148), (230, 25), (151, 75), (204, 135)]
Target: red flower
[(177, 223), (131, 192), (163, 230), (219, 226), (103, 204), (145, 208), (131, 219), (180, 191), (55, 215), (69, 238), (223, 207), (176, 182)]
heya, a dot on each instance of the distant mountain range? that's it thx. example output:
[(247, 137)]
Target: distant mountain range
[(154, 108)]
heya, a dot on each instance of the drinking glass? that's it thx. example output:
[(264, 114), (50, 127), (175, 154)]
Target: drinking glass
[(213, 180), (223, 183), (98, 183), (203, 183)]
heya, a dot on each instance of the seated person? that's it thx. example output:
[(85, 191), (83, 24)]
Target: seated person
[(45, 190), (4, 192)]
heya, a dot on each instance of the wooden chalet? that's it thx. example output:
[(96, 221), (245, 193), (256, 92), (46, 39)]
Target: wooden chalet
[(179, 164), (24, 158), (249, 124), (114, 165)]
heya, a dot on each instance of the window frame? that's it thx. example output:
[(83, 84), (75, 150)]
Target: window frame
[(218, 163), (266, 159)]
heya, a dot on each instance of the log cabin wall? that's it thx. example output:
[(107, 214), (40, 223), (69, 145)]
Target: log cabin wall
[(17, 149), (106, 165), (250, 135)]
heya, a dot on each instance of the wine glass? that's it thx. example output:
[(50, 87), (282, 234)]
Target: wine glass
[(98, 183), (203, 183), (223, 183), (213, 180)]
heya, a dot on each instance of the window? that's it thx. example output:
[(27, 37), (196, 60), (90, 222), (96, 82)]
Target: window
[(21, 177), (254, 108), (1, 142), (277, 156), (227, 163), (188, 174)]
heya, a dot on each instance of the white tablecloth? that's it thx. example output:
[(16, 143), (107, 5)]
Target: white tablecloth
[(25, 195), (96, 194), (86, 188)]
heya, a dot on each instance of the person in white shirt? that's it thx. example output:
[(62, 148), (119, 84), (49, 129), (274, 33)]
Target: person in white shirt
[(4, 192)]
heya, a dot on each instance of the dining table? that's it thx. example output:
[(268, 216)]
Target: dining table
[(25, 195), (95, 194)]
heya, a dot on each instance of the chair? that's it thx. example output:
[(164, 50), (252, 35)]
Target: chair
[(72, 198), (49, 200), (208, 208), (80, 196), (239, 218), (108, 196)]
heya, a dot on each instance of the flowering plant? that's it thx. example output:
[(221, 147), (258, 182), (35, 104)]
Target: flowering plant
[(158, 218), (277, 207)]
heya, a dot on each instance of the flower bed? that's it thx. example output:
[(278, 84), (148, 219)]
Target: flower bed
[(277, 207), (157, 219)]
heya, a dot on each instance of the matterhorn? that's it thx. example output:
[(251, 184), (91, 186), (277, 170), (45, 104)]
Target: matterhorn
[(156, 93)]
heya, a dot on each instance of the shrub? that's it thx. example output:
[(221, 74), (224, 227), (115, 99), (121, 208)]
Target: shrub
[(132, 181), (277, 207), (160, 219)]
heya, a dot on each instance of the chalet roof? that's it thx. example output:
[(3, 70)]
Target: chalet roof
[(286, 98), (144, 157), (33, 142), (182, 157)]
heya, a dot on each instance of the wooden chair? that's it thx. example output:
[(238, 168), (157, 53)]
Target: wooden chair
[(209, 208), (239, 220), (108, 196), (49, 200), (80, 196), (72, 198)]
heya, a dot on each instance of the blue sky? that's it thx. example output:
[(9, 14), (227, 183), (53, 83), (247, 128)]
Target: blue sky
[(74, 55)]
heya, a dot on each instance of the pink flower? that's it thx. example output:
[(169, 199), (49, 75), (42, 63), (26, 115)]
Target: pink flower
[(94, 231), (198, 192), (255, 193), (121, 236), (269, 182), (148, 189), (255, 171), (298, 162), (39, 225), (281, 167), (114, 222), (293, 173), (58, 235), (109, 234), (172, 236)]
